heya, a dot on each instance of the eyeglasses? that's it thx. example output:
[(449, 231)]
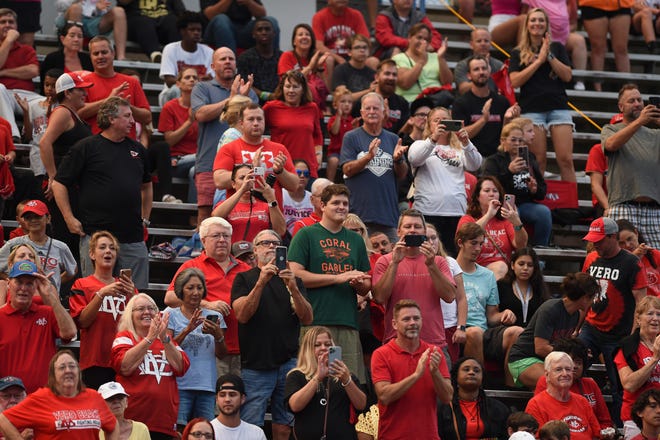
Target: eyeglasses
[(142, 309), (513, 140), (421, 115), (65, 367), (77, 23), (268, 243), (16, 396), (200, 434), (303, 173), (219, 236)]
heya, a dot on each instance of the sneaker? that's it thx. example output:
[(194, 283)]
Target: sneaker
[(579, 85), (156, 56), (169, 198)]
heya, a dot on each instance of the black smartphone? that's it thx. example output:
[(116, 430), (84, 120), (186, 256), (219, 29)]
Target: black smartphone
[(452, 124), (414, 240), (280, 257), (523, 151), (213, 318), (654, 100)]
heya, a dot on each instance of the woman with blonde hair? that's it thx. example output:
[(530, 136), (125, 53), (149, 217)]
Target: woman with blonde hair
[(148, 361), (522, 178), (355, 224), (319, 393), (439, 162), (541, 68)]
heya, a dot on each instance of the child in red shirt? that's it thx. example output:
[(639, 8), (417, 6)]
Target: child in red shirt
[(338, 126)]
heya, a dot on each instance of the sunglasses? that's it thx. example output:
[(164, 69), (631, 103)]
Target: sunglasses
[(303, 173)]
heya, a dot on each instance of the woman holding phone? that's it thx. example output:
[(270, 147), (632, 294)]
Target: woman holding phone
[(200, 332), (495, 212), (320, 393), (439, 162), (517, 170)]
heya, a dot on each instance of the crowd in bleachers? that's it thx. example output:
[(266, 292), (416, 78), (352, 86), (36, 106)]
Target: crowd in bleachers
[(362, 288)]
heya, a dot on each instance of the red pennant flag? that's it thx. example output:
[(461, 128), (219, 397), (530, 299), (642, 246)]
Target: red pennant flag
[(503, 83)]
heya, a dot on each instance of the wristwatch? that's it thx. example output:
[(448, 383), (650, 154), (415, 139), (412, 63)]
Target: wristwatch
[(167, 339), (461, 328), (272, 204), (550, 56)]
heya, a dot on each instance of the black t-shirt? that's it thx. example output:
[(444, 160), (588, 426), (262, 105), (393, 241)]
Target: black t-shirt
[(467, 108), (263, 69), (110, 177), (551, 322), (354, 79), (308, 424), (544, 91), (270, 337)]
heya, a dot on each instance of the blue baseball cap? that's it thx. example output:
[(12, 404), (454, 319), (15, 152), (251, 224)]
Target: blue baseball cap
[(10, 381), (21, 268)]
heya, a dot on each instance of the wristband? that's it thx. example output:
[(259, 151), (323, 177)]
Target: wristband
[(264, 96), (278, 172), (220, 340)]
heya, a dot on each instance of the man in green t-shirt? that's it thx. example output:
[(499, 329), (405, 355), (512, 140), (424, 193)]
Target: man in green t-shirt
[(332, 262)]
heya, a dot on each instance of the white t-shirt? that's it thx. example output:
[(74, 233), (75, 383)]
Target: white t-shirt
[(294, 211), (449, 314), (244, 431), (175, 58)]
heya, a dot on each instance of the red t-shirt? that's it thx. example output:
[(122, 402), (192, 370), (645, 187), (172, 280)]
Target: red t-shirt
[(238, 152), (652, 273), (474, 427), (345, 125), (102, 88), (641, 357), (297, 128), (307, 221), (499, 230), (172, 116), (576, 413), (335, 31), (153, 393), (288, 61), (413, 281), (96, 340), (413, 415), (19, 55), (27, 343), (218, 286), (597, 163), (258, 216), (589, 389), (63, 418)]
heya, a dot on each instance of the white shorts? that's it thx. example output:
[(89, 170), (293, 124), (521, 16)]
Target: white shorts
[(498, 19)]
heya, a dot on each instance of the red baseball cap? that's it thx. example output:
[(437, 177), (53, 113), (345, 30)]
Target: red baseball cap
[(599, 228), (36, 207)]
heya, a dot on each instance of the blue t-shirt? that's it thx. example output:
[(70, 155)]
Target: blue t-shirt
[(373, 190), (481, 291), (200, 348)]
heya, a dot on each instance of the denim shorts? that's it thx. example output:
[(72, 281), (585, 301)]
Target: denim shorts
[(262, 386), (550, 118), (195, 403)]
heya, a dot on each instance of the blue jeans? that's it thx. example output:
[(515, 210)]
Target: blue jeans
[(264, 385), (195, 403), (185, 167), (599, 342), (222, 32), (540, 218)]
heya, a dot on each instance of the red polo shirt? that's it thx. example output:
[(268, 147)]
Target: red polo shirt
[(218, 286), (27, 342)]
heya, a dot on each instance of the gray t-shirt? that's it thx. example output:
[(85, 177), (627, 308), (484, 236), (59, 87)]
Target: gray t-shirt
[(633, 168)]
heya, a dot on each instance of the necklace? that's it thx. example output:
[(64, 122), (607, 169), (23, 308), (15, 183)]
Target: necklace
[(470, 410)]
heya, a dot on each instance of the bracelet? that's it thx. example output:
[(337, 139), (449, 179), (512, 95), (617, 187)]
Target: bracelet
[(518, 228), (220, 340), (98, 293), (148, 341), (278, 172), (350, 379)]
